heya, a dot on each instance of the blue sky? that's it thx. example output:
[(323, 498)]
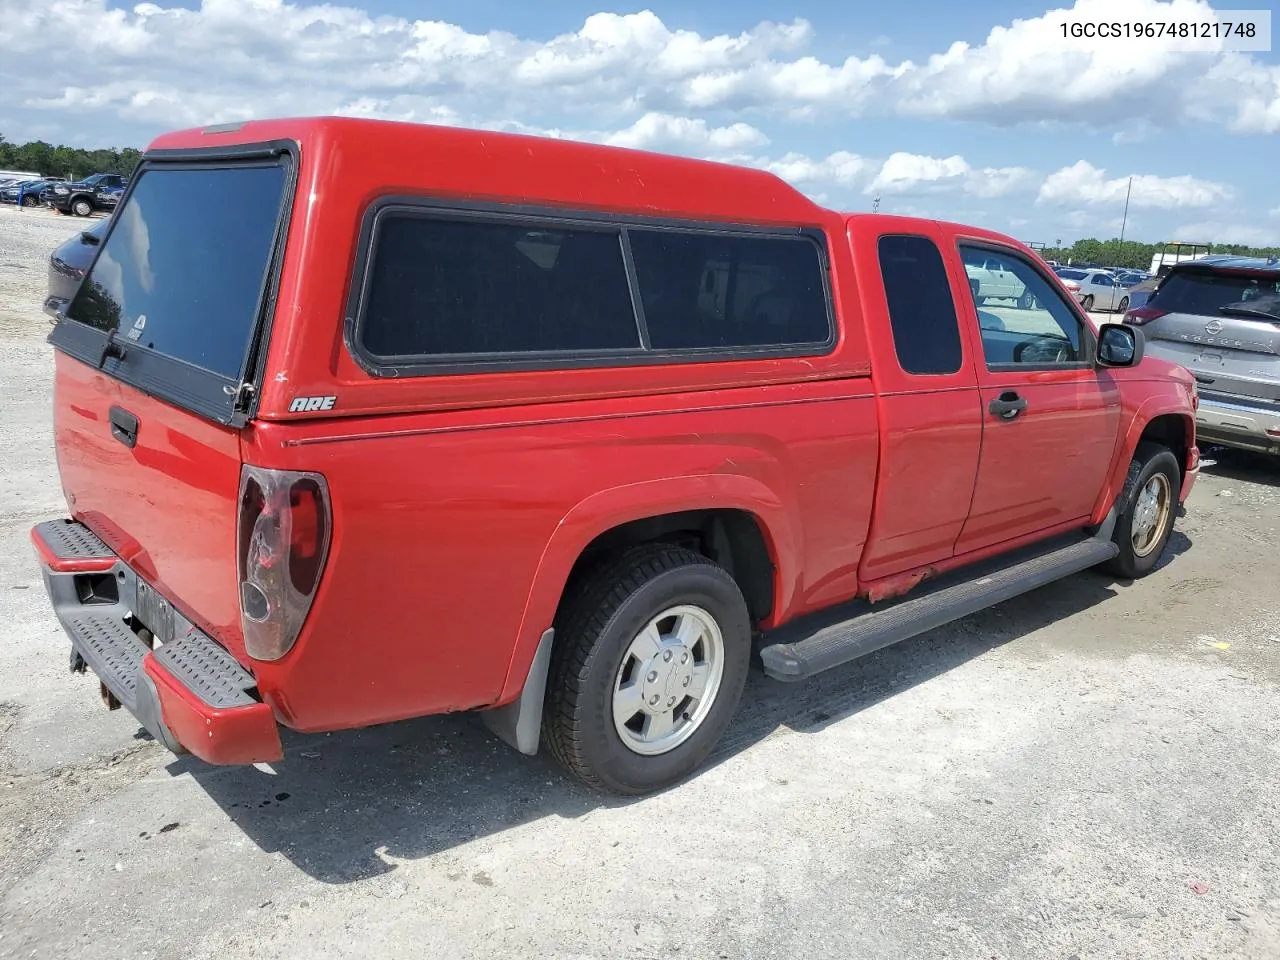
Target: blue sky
[(975, 112)]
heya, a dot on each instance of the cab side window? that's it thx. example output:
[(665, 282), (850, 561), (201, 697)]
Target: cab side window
[(922, 314), (1032, 324)]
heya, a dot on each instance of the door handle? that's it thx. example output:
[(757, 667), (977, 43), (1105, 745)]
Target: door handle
[(1008, 405), (124, 426)]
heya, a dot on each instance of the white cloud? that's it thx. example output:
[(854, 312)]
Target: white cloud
[(1241, 232), (1029, 72), (662, 131), (840, 168), (911, 172), (157, 67), (1082, 182)]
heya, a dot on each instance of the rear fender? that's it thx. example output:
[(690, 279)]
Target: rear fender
[(611, 508)]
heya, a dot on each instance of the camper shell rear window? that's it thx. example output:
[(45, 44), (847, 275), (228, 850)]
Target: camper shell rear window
[(175, 299)]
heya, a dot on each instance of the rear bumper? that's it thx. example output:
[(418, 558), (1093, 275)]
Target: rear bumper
[(187, 691), (1238, 422)]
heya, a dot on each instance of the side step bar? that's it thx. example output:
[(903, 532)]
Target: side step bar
[(830, 645)]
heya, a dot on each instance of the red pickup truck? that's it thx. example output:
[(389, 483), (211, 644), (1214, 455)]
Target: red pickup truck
[(360, 421)]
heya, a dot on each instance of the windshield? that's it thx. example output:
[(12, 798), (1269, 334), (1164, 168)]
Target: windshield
[(1206, 293), (184, 265)]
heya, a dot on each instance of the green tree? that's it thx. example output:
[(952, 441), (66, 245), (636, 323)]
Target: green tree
[(74, 163)]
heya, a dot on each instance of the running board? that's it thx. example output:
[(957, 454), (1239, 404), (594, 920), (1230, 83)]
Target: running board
[(876, 627)]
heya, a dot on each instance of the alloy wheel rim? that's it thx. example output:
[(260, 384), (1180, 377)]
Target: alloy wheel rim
[(1151, 514), (668, 680)]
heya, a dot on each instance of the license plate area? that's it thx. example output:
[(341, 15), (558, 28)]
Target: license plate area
[(154, 612)]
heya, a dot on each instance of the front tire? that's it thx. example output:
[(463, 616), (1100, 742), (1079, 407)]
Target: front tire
[(1150, 496), (650, 659), (82, 208)]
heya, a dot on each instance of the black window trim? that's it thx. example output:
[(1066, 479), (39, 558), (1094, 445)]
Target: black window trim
[(230, 401), (1088, 340), (552, 217), (961, 366)]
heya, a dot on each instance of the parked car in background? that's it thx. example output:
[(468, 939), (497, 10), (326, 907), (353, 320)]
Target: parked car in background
[(1141, 291), (68, 264), (29, 190), (1099, 289), (992, 280), (693, 463), (102, 191), (10, 177), (1219, 316)]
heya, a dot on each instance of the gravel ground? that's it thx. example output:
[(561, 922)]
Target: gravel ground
[(1089, 771)]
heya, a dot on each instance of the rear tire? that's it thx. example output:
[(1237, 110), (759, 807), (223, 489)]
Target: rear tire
[(1123, 305), (1143, 527), (1087, 302), (615, 631), (1026, 301)]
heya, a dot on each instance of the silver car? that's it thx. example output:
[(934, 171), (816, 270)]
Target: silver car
[(1099, 289), (1219, 317)]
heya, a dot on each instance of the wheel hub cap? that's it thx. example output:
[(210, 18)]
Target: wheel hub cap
[(668, 680), (667, 676)]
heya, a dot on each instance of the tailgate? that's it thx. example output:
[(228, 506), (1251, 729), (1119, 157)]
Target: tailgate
[(153, 352)]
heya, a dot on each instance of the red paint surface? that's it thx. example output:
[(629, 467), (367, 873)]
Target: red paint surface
[(461, 503), (239, 735)]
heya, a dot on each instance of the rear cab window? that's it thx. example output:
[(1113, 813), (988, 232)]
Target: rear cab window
[(922, 313), (175, 299), (459, 290)]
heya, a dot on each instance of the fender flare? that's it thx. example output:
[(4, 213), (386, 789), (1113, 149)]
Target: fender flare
[(607, 509), (1126, 444)]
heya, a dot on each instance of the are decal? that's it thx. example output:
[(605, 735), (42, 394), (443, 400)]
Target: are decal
[(311, 404)]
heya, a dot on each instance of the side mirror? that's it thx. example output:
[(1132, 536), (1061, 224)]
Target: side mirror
[(1120, 345)]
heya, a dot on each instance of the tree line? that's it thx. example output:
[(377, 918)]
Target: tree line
[(1130, 253), (74, 163)]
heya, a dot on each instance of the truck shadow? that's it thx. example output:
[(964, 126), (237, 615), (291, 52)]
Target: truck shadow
[(346, 806)]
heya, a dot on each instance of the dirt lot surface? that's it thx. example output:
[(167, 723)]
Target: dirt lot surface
[(1089, 771)]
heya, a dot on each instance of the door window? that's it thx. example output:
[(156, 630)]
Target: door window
[(1040, 329)]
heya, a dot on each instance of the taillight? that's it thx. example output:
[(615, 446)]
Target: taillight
[(1140, 315), (284, 532)]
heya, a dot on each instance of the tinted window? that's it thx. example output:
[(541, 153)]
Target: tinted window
[(1205, 293), (922, 314), (712, 290), (463, 286), (183, 268), (1040, 329), (1071, 274)]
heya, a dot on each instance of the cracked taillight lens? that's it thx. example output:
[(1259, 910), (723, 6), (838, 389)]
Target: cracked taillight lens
[(284, 532)]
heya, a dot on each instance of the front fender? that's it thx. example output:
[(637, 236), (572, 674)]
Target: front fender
[(607, 509), (1163, 404)]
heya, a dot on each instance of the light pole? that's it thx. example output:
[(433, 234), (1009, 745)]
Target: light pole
[(1125, 219)]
